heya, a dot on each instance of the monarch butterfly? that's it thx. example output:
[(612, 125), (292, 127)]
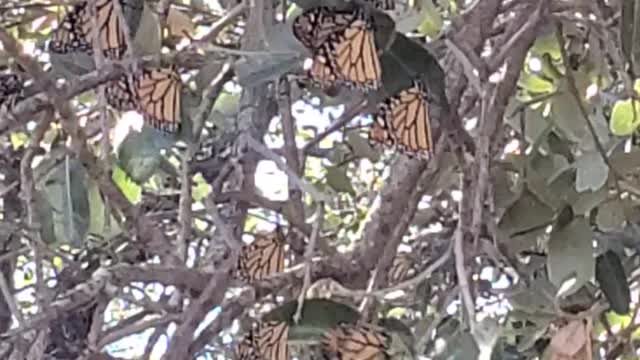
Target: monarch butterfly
[(271, 340), (120, 96), (263, 257), (246, 349), (74, 34), (343, 47), (315, 26), (403, 120), (356, 342), (401, 268), (10, 90), (267, 341), (158, 96)]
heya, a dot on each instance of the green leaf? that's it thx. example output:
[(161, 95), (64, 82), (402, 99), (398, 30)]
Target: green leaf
[(610, 216), (613, 281), (129, 188), (64, 190), (567, 116), (338, 180), (547, 44), (571, 255), (317, 316), (147, 39), (588, 200), (625, 162), (227, 103), (361, 147), (624, 120), (139, 154), (432, 23), (200, 189), (18, 139), (44, 213), (535, 84), (592, 172), (525, 214), (101, 223), (460, 346)]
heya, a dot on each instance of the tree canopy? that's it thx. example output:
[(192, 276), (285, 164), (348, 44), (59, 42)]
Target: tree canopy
[(275, 179)]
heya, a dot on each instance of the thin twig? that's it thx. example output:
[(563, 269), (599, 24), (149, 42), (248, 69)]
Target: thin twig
[(317, 195), (220, 24), (351, 110), (308, 254)]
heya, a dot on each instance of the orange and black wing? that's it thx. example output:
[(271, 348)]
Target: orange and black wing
[(266, 341), (246, 349), (406, 114), (75, 31), (158, 96), (271, 340), (120, 95), (356, 342), (315, 26), (356, 57), (263, 257), (70, 35)]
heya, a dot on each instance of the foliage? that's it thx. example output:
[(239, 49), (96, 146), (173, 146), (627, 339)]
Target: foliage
[(513, 234)]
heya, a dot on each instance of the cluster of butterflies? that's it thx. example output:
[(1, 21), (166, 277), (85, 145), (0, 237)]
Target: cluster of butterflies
[(268, 341), (265, 257), (344, 53), (154, 92)]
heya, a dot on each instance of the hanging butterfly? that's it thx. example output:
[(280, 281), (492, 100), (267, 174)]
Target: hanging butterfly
[(263, 257), (266, 341), (314, 27), (74, 34), (158, 96), (120, 95), (403, 120), (271, 340), (10, 91), (343, 47), (356, 342), (246, 349), (401, 269)]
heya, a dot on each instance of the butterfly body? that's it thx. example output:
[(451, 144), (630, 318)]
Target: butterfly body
[(343, 47), (120, 95), (158, 95), (403, 121), (266, 341), (263, 257), (76, 31), (356, 342)]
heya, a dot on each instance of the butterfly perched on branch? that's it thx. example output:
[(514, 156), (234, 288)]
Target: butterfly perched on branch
[(403, 121), (154, 92), (266, 341), (355, 342), (263, 257), (158, 95), (75, 31), (343, 47)]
